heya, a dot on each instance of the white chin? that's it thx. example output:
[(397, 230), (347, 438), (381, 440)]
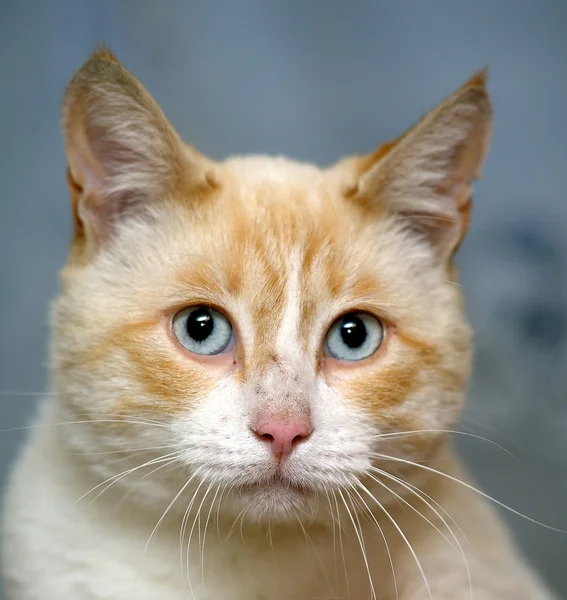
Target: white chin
[(273, 502)]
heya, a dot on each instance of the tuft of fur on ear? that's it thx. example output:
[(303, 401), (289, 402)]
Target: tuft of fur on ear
[(122, 152), (425, 176)]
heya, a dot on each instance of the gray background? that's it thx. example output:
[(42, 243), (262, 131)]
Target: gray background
[(315, 80)]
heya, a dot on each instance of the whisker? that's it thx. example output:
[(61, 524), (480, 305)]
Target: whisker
[(348, 491), (450, 431), (307, 539), (490, 427), (119, 416), (122, 451), (315, 510), (166, 511), (84, 422), (94, 417), (470, 487), (197, 516), (432, 500), (341, 543), (409, 505), (403, 535), (236, 520), (455, 283), (357, 504), (362, 548), (375, 520), (311, 544), (23, 394), (242, 532), (130, 491), (184, 565), (334, 538), (225, 487), (168, 461), (418, 493), (127, 472), (205, 536), (269, 534)]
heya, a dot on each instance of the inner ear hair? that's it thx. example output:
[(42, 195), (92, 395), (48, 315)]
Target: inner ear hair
[(424, 177), (123, 154)]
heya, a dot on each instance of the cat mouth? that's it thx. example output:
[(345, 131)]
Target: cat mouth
[(278, 482), (275, 497)]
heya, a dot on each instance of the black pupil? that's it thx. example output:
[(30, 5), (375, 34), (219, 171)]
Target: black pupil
[(353, 331), (200, 324)]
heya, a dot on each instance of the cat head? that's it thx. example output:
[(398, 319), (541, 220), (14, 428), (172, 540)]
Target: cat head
[(269, 325)]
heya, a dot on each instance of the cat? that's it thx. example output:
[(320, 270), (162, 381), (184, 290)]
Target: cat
[(256, 365)]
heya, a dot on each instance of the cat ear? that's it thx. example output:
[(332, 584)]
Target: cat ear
[(122, 152), (425, 176)]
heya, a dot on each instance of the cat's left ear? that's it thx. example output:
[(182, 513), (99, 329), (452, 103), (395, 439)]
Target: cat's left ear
[(424, 177)]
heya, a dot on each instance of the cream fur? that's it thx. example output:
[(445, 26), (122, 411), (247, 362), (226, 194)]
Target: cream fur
[(55, 547), (197, 507)]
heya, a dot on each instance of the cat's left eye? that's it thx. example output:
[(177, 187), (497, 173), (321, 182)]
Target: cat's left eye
[(203, 330), (354, 336)]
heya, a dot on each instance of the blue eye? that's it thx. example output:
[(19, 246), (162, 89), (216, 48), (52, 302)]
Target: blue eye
[(202, 330), (354, 336)]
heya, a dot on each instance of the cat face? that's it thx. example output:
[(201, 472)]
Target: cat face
[(269, 325)]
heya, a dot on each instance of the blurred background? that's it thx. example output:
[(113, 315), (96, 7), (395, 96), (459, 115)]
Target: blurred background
[(315, 80)]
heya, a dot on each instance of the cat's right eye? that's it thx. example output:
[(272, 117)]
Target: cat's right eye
[(203, 330)]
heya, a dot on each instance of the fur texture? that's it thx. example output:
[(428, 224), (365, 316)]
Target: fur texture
[(144, 477)]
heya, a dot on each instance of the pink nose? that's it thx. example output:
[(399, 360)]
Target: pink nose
[(284, 435)]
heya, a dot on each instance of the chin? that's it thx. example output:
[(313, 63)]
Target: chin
[(276, 501)]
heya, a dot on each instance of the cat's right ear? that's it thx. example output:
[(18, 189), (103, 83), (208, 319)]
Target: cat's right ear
[(123, 155)]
